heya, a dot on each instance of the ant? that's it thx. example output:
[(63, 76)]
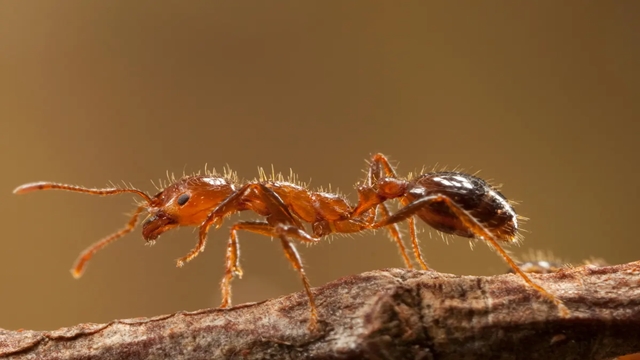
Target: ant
[(451, 202), (206, 200)]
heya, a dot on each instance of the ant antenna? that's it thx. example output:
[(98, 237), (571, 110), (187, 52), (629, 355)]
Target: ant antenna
[(88, 253), (27, 188)]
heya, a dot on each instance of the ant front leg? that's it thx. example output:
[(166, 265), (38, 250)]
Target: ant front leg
[(479, 231), (228, 206)]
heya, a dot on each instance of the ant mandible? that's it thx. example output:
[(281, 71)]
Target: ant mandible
[(206, 200), (449, 201)]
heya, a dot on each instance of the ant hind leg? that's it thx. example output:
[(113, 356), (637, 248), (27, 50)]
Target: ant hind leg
[(478, 230), (394, 233), (414, 242), (379, 165)]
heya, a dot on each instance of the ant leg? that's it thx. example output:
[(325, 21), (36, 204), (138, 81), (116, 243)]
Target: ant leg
[(369, 199), (278, 209), (368, 196), (395, 235), (359, 223), (477, 228), (253, 191), (232, 264), (86, 255), (263, 228), (285, 231), (202, 241), (379, 160), (414, 242), (294, 258), (226, 207)]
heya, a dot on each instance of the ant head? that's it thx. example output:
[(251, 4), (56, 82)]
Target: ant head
[(186, 202), (165, 210)]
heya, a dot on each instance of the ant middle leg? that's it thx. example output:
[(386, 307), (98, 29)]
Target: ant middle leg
[(294, 258), (479, 231), (232, 266)]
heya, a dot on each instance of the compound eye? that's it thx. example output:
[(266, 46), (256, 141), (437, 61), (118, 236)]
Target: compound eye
[(182, 199)]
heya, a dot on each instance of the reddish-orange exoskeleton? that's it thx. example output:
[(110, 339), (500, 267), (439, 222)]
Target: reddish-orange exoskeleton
[(206, 200), (451, 202)]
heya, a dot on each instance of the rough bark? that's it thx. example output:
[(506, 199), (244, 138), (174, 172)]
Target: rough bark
[(385, 314)]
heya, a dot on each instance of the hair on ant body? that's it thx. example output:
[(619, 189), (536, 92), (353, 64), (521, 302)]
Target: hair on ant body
[(205, 200), (450, 202)]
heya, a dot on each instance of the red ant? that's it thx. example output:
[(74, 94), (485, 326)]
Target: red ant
[(451, 202), (448, 201), (206, 200)]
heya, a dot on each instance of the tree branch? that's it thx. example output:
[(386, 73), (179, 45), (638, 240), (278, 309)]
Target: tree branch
[(385, 314)]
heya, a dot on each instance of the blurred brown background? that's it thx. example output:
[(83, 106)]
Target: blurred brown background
[(541, 97)]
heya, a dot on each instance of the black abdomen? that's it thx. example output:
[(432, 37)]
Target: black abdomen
[(484, 203)]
